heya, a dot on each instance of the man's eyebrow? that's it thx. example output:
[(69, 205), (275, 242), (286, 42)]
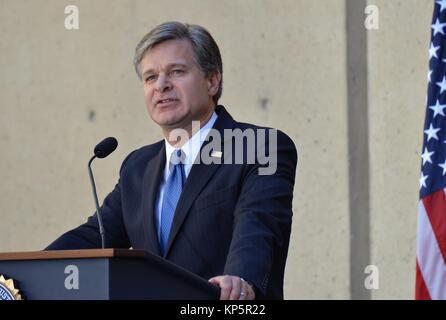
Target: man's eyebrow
[(169, 66), (147, 72), (173, 65)]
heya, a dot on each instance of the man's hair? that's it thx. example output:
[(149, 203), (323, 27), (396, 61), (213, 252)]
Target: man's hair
[(205, 49)]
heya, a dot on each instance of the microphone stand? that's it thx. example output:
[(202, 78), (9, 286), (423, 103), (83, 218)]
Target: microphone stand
[(95, 196)]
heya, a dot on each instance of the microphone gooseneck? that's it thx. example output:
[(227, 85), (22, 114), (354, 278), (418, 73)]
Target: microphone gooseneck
[(102, 150), (95, 196)]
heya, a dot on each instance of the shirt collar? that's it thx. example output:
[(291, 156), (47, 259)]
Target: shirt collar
[(192, 147)]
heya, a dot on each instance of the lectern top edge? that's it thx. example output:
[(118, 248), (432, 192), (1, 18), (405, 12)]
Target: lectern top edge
[(72, 254)]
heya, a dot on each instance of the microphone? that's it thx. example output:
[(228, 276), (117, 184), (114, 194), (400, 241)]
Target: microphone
[(102, 150), (105, 147)]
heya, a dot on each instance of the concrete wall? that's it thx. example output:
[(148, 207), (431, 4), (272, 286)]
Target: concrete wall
[(398, 65), (286, 65)]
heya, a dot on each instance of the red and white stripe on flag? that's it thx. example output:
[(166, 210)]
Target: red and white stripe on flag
[(431, 247)]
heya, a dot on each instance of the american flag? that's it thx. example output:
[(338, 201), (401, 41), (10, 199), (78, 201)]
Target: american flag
[(431, 229)]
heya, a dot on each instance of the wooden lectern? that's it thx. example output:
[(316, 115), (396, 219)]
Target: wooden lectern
[(101, 274)]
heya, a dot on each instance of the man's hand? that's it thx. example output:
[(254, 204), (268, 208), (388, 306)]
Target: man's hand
[(233, 288)]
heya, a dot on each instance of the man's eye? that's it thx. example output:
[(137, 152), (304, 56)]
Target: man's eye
[(177, 72), (150, 78)]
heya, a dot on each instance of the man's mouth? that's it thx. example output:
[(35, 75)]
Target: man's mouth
[(166, 101)]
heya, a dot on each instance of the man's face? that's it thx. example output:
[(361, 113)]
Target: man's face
[(176, 91)]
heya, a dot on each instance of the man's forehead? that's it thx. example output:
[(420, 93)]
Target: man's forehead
[(168, 53)]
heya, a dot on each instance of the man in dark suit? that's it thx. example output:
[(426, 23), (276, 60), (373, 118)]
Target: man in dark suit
[(191, 197)]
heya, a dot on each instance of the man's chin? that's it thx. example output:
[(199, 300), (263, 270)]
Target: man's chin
[(171, 123)]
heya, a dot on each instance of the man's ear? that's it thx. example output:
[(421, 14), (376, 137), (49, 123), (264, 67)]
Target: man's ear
[(214, 79)]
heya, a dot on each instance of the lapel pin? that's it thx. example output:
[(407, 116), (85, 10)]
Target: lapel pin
[(216, 154)]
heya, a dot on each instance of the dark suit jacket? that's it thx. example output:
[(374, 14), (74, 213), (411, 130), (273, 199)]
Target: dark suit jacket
[(229, 219)]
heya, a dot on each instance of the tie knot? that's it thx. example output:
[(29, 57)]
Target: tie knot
[(178, 156)]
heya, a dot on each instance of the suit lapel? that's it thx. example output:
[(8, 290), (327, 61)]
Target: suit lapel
[(197, 179), (151, 182)]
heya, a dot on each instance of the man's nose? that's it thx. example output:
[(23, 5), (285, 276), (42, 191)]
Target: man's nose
[(162, 84)]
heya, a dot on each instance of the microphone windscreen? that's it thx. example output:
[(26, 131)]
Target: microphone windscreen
[(105, 147)]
